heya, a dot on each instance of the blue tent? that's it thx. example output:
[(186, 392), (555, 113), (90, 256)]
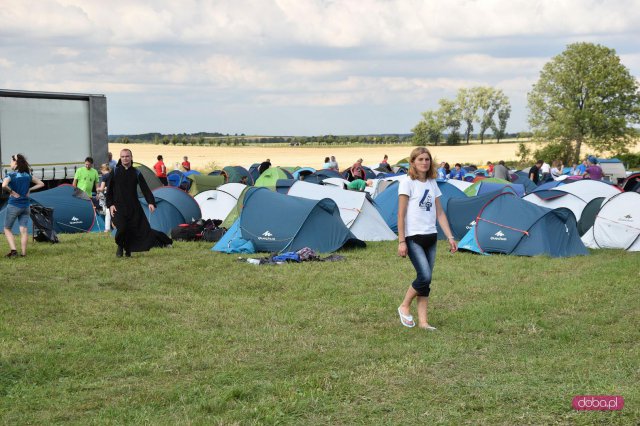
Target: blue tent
[(387, 205), (275, 222), (510, 225), (73, 211), (303, 171), (462, 212), (179, 178), (173, 207), (490, 187), (321, 175), (523, 179)]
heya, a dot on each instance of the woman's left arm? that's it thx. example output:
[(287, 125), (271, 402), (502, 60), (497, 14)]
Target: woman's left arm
[(444, 224)]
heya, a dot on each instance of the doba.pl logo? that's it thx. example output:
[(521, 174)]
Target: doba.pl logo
[(598, 402)]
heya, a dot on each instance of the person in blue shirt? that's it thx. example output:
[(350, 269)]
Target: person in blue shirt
[(18, 184), (442, 172), (457, 172)]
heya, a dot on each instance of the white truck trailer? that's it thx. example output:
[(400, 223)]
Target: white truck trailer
[(54, 131)]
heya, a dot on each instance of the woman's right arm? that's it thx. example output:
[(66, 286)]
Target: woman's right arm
[(403, 202)]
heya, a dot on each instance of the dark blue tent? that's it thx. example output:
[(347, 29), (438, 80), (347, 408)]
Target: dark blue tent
[(462, 212), (283, 185), (179, 178), (254, 171), (387, 205), (321, 175), (275, 222), (73, 211), (491, 187), (523, 179), (173, 207), (510, 225)]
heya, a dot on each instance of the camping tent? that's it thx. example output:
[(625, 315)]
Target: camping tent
[(487, 185), (632, 183), (180, 179), (73, 211), (269, 177), (173, 207), (150, 177), (321, 175), (302, 172), (387, 205), (236, 173), (200, 183), (510, 225), (356, 210), (218, 203), (275, 222), (462, 211), (617, 224)]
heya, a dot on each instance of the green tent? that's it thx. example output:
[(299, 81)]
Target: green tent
[(236, 173), (201, 183), (270, 177), (472, 190)]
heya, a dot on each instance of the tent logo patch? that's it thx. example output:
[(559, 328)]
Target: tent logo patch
[(626, 218), (266, 236), (472, 224), (75, 220), (498, 236)]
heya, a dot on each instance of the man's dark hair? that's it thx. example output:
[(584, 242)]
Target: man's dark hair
[(539, 162), (159, 157), (458, 165), (89, 159), (501, 162)]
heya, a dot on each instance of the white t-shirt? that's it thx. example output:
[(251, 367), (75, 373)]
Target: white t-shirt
[(545, 168), (421, 210)]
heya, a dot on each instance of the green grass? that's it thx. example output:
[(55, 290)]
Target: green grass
[(188, 336)]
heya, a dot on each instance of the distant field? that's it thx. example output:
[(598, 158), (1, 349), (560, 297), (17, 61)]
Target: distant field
[(203, 158)]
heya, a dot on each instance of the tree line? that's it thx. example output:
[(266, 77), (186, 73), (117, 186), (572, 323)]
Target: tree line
[(485, 107)]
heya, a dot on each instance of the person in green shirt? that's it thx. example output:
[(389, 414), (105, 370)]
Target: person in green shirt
[(86, 177), (358, 185)]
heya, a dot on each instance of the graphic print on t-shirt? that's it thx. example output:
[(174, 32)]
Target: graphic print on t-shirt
[(425, 201)]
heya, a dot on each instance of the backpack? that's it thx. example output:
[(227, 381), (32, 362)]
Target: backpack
[(213, 234), (187, 232)]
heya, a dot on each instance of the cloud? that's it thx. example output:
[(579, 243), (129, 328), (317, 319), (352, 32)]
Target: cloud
[(389, 55)]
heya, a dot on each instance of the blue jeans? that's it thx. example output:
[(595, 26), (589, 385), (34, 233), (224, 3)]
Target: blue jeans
[(13, 213), (422, 252)]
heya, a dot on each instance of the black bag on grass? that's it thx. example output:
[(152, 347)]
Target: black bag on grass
[(42, 219)]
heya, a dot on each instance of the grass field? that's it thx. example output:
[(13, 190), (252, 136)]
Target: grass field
[(188, 336)]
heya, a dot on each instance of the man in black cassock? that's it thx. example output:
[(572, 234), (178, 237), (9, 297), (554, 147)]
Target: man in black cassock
[(133, 232)]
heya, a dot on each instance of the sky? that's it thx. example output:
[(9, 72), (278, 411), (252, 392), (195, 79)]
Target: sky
[(296, 67)]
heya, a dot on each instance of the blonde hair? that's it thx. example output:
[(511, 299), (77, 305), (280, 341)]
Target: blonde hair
[(105, 168), (432, 173)]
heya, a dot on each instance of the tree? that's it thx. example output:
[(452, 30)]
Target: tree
[(429, 129), (467, 101), (585, 95), (504, 112), (449, 114)]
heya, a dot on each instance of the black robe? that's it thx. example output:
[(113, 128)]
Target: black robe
[(133, 232)]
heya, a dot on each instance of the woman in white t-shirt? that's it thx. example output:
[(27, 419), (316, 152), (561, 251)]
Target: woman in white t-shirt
[(418, 208)]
